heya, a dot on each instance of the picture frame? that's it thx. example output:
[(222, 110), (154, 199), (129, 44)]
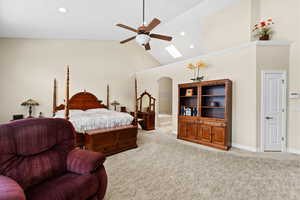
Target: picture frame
[(189, 92)]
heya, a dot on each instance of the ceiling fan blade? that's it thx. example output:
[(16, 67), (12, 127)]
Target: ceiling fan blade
[(155, 22), (127, 27), (147, 47), (127, 40), (161, 37)]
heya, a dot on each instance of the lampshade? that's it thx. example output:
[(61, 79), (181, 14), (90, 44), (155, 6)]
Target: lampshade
[(115, 103), (142, 39), (30, 102)]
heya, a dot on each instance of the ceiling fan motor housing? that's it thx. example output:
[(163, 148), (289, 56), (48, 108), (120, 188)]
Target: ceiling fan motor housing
[(142, 39)]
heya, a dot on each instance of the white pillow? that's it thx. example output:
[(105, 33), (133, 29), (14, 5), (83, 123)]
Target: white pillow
[(96, 110), (72, 113)]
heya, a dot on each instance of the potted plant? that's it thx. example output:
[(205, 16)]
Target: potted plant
[(263, 30), (196, 69)]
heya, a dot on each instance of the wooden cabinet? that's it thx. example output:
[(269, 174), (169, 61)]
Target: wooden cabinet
[(148, 120), (209, 123)]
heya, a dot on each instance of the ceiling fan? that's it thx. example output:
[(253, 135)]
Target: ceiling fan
[(144, 36)]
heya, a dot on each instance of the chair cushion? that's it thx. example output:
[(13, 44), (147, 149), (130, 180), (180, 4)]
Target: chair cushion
[(67, 187)]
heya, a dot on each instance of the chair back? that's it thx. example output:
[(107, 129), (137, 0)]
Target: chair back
[(34, 150)]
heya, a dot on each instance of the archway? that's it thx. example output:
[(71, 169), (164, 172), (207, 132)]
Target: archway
[(165, 101)]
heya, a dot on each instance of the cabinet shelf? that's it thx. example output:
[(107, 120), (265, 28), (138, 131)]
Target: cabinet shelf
[(194, 96), (213, 95), (215, 107)]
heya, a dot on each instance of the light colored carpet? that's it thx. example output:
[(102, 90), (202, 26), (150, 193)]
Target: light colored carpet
[(164, 168)]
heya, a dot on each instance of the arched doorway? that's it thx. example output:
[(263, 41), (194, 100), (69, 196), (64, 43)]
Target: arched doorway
[(165, 101)]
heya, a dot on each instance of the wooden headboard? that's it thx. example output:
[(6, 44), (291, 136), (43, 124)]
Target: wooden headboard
[(80, 101), (83, 101)]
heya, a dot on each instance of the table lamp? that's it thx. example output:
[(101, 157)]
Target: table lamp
[(30, 103), (115, 104)]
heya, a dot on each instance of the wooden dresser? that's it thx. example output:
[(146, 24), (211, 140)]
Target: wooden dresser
[(204, 113), (148, 120)]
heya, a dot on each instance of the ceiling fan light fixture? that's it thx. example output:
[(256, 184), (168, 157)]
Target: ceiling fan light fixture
[(142, 39)]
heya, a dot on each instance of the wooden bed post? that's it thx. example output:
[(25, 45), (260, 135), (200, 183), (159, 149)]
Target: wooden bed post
[(67, 93), (135, 93), (107, 97), (54, 98)]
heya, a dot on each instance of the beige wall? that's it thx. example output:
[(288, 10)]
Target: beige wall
[(228, 27), (243, 65), (165, 95), (286, 15), (28, 67), (238, 65)]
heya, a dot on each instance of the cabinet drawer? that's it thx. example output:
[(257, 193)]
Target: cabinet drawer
[(218, 135)]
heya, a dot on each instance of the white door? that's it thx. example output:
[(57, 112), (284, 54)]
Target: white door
[(273, 110)]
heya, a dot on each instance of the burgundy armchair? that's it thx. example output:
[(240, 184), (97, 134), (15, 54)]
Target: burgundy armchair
[(38, 161)]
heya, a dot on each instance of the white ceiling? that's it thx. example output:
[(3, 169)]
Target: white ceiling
[(95, 19)]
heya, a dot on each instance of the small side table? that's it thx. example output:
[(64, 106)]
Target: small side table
[(123, 109)]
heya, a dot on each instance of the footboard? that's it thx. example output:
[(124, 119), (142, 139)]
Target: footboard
[(112, 140)]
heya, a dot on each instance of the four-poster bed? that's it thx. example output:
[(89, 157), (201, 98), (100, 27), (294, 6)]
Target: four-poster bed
[(98, 129)]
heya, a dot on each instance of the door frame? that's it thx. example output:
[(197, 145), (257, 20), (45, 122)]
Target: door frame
[(284, 107)]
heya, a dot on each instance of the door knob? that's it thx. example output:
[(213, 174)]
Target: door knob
[(269, 118)]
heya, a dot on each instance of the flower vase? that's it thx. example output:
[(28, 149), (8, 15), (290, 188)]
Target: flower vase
[(264, 37)]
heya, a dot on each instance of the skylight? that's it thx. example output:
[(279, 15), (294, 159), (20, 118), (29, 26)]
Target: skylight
[(173, 51)]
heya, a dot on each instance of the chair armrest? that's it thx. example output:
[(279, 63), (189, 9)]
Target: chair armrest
[(10, 189), (83, 162)]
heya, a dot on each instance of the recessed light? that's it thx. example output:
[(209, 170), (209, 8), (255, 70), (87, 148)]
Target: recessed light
[(182, 33), (173, 51), (62, 10), (192, 46)]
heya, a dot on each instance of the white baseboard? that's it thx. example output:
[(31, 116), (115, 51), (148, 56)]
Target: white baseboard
[(296, 151), (243, 147)]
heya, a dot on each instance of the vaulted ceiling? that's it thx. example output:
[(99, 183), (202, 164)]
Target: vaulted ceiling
[(95, 20)]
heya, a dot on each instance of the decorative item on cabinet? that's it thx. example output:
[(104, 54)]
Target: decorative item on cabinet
[(197, 67), (263, 29), (189, 92), (210, 121), (188, 111)]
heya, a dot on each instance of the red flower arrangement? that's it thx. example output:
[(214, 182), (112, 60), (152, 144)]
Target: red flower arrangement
[(263, 29)]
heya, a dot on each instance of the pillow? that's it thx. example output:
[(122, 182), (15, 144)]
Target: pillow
[(96, 110), (72, 113)]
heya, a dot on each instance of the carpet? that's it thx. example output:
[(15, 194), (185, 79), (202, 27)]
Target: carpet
[(164, 168)]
